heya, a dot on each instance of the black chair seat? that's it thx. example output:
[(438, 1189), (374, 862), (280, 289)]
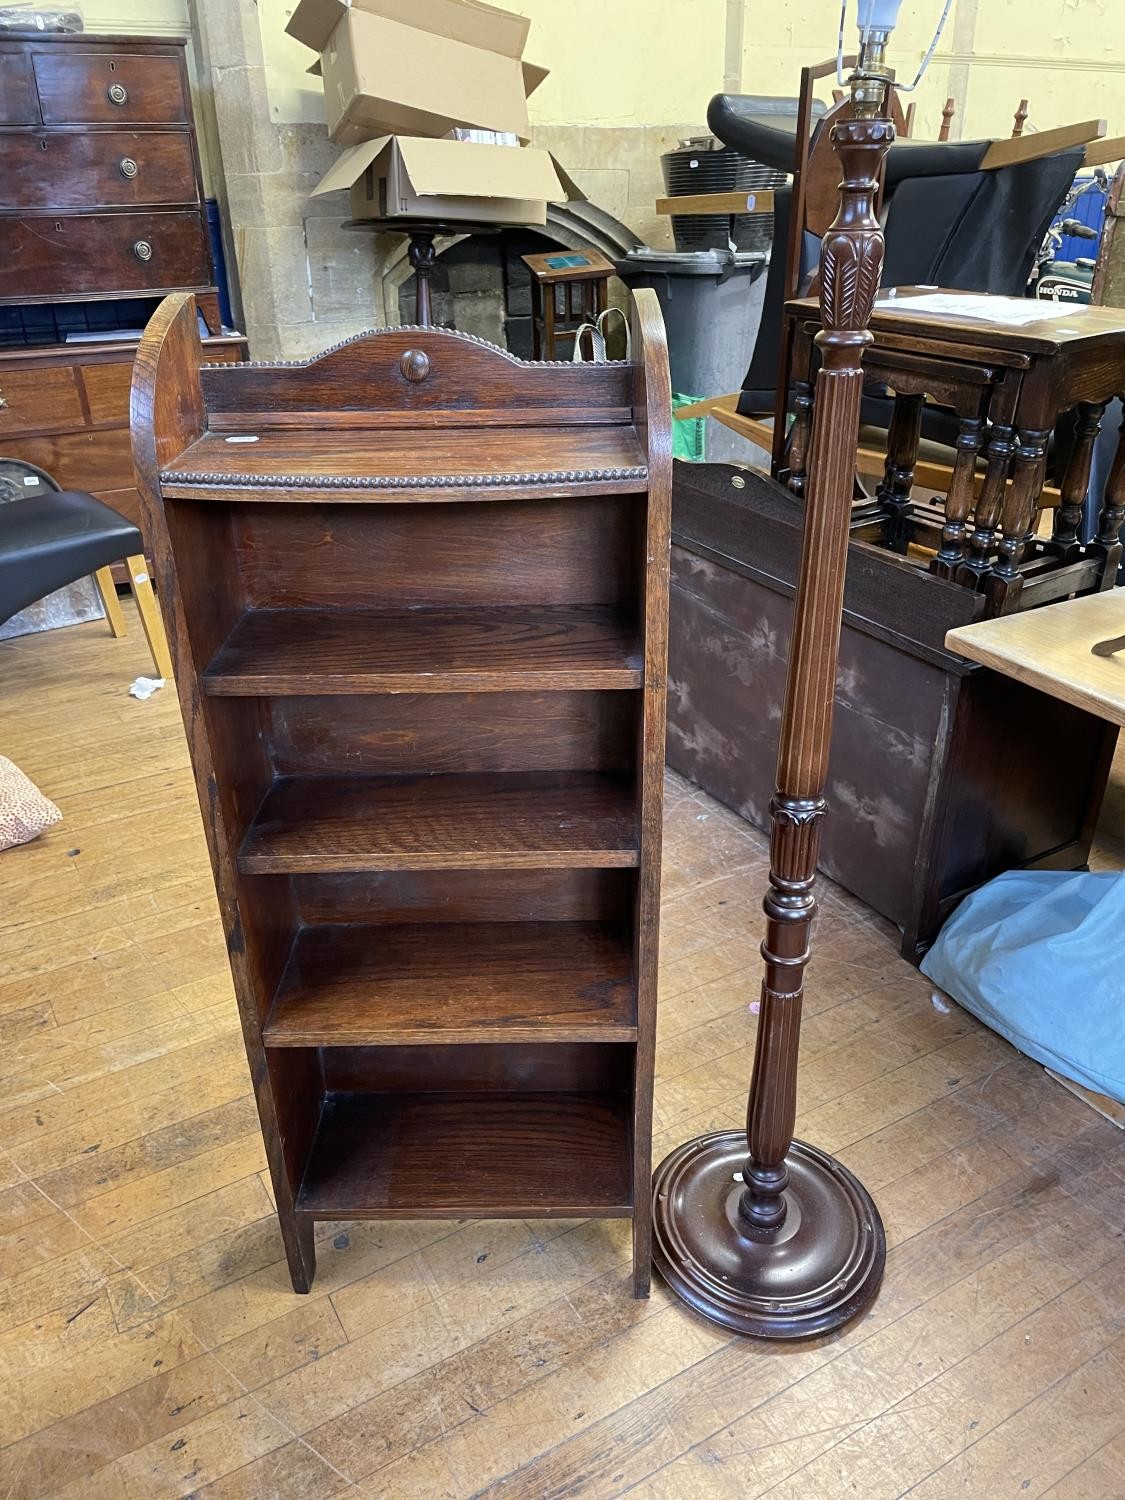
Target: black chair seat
[(738, 122), (53, 540)]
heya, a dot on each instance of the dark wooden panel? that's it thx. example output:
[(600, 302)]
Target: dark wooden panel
[(455, 983), (484, 1067), (516, 821), (462, 896), (66, 169), (470, 1155), (75, 86), (39, 400), (19, 104), (454, 732), (579, 551), (1012, 808), (95, 461), (67, 256), (427, 651), (464, 374)]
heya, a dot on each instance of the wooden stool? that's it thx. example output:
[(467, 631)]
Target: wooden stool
[(569, 288)]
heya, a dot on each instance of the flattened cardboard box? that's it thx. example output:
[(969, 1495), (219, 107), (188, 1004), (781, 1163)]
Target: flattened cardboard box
[(459, 181), (417, 67)]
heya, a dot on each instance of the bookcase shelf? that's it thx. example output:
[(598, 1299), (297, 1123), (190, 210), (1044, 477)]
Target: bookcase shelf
[(349, 985), (419, 631), (517, 820), (575, 647), (473, 1155)]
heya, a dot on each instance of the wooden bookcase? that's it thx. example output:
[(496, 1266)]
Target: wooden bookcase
[(417, 593)]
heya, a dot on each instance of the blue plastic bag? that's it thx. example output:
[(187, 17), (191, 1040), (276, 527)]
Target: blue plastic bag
[(1040, 957)]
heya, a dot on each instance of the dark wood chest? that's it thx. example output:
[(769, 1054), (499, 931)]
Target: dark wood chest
[(102, 213)]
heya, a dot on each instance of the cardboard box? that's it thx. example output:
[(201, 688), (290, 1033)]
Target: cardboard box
[(458, 181), (417, 67)]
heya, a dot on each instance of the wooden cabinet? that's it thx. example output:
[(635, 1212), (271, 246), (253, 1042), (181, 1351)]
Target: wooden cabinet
[(101, 201), (418, 593)]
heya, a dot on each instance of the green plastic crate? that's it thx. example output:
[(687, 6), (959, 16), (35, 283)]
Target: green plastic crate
[(689, 438)]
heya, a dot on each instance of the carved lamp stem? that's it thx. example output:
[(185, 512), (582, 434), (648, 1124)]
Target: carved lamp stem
[(851, 263)]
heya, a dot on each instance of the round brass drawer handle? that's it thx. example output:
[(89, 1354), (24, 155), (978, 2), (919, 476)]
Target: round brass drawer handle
[(127, 167), (3, 402), (142, 250), (117, 93)]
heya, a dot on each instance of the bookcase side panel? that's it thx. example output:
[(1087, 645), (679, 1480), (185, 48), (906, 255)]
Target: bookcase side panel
[(652, 416)]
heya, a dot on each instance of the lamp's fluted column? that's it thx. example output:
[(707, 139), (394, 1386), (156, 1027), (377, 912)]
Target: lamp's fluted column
[(850, 266)]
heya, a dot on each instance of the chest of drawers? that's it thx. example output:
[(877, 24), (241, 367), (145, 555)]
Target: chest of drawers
[(101, 202), (100, 183)]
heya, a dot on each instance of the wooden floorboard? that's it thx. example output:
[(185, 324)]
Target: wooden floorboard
[(150, 1344)]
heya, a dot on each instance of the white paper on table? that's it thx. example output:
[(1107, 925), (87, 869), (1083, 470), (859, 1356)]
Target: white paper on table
[(995, 310)]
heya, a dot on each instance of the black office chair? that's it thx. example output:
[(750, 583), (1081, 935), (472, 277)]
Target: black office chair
[(51, 537)]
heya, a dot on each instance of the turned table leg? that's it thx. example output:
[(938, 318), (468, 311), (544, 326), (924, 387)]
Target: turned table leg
[(799, 436), (1065, 543), (959, 500), (423, 257), (1017, 518), (986, 519), (893, 494), (1107, 543)]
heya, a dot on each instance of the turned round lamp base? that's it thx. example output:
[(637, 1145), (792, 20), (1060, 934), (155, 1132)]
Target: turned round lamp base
[(818, 1271)]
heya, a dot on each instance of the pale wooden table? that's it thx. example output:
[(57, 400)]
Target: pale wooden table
[(1050, 649)]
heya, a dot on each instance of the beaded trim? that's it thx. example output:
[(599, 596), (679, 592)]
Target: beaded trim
[(404, 481), (407, 328)]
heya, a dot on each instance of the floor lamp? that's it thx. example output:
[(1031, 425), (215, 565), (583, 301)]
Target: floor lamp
[(755, 1230)]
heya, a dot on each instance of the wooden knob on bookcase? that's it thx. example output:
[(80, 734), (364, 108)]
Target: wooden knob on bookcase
[(415, 365)]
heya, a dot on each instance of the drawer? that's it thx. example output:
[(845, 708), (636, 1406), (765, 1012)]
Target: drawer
[(78, 256), (95, 461), (36, 400), (59, 169), (110, 87), (229, 351), (18, 102), (107, 391)]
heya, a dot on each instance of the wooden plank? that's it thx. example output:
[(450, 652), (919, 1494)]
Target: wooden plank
[(1100, 153), (1044, 143), (758, 202)]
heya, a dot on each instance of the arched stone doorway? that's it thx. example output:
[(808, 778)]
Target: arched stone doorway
[(481, 286)]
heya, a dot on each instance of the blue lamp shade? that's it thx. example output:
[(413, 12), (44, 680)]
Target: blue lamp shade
[(878, 15)]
